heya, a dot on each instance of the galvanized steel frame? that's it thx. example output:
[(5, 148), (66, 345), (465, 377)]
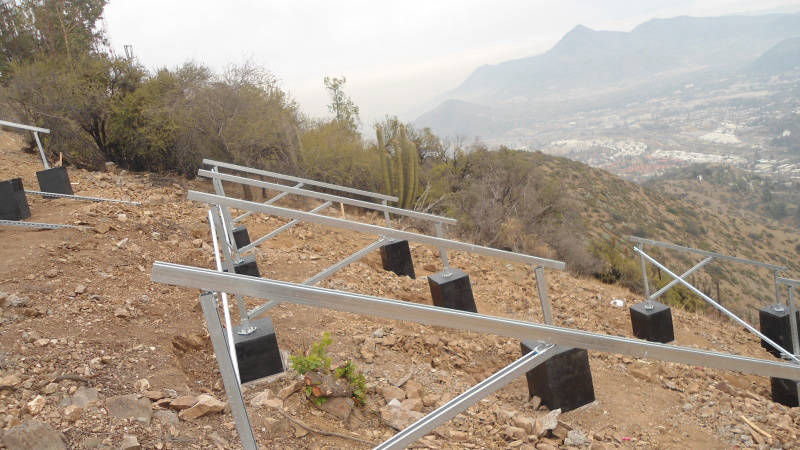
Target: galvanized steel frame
[(398, 310), (82, 197), (47, 226)]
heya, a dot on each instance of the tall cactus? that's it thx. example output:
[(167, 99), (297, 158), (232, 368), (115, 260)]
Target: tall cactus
[(400, 168)]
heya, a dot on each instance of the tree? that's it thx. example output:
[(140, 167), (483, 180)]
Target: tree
[(343, 108)]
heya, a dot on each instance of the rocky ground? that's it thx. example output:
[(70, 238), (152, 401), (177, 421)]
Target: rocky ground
[(92, 353)]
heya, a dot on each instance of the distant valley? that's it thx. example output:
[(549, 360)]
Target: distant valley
[(670, 93)]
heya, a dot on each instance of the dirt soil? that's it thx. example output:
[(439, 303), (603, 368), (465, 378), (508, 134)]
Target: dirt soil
[(80, 314)]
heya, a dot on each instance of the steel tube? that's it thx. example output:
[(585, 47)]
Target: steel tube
[(225, 308), (48, 226), (41, 150), (789, 282), (544, 299), (717, 305), (324, 196), (24, 127), (279, 230), (720, 256), (373, 229), (230, 379), (664, 289), (281, 176), (82, 197), (344, 263), (206, 279), (459, 404), (268, 202)]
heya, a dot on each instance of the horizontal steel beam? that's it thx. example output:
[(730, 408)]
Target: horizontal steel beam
[(719, 256), (82, 197), (47, 226), (507, 374), (281, 291), (324, 196), (788, 282), (281, 176), (24, 127), (371, 229)]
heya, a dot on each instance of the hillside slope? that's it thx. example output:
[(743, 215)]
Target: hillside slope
[(81, 304)]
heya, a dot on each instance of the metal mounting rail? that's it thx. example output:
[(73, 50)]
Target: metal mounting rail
[(645, 241), (206, 279), (372, 229), (789, 282), (281, 176), (35, 131), (48, 226), (323, 196), (82, 197)]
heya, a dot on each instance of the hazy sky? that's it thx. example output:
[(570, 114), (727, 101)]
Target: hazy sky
[(397, 56)]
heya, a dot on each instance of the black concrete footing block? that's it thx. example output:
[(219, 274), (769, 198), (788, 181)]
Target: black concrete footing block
[(774, 323), (55, 180), (247, 266), (241, 236), (653, 324), (396, 256), (257, 353), (784, 391), (452, 289), (563, 381), (13, 203)]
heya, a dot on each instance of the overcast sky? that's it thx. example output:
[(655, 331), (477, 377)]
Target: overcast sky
[(397, 56)]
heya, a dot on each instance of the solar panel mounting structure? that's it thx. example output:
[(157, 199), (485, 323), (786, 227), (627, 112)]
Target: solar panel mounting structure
[(278, 291)]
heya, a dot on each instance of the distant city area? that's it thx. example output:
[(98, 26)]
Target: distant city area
[(749, 125)]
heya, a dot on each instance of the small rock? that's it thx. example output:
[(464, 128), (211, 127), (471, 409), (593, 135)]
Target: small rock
[(261, 398), (122, 217), (547, 422), (576, 438), (527, 423), (51, 273), (142, 384), (16, 301), (35, 406), (430, 399), (101, 228), (206, 404), (129, 442), (122, 313), (9, 381), (80, 289), (183, 402), (126, 406), (51, 388), (166, 416), (398, 417), (33, 435), (458, 435), (429, 267), (84, 396), (275, 426), (299, 431), (413, 389), (504, 416), (339, 407), (379, 333), (72, 413), (512, 432), (286, 392), (413, 404), (153, 395), (389, 392)]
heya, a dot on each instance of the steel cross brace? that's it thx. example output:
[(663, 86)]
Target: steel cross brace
[(721, 308)]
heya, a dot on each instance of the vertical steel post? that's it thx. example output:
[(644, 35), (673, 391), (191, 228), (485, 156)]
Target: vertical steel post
[(386, 215), (227, 219), (442, 250), (541, 286), (41, 150), (777, 288), (648, 304), (233, 389), (221, 231)]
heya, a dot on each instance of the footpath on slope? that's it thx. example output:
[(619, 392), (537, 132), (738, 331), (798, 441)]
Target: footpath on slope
[(91, 349)]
